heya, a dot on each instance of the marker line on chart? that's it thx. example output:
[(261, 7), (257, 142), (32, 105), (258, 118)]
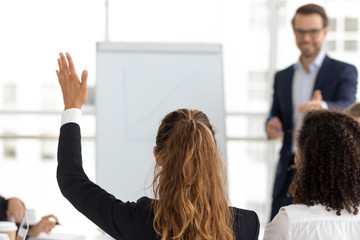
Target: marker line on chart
[(180, 84)]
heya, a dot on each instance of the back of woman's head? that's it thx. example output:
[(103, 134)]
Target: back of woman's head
[(189, 180), (328, 162)]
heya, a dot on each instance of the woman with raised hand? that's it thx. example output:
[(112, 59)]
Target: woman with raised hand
[(326, 186), (190, 200)]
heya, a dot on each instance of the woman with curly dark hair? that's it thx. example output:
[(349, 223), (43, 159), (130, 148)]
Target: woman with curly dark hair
[(326, 186)]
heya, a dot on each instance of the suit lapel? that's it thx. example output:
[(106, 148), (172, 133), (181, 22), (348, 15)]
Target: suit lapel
[(287, 90), (323, 74)]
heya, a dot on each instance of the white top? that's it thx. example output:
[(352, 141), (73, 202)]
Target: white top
[(299, 222)]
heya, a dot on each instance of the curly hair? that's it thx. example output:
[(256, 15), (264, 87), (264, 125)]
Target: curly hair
[(189, 180), (328, 162)]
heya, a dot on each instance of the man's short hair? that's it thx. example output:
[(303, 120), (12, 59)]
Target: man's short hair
[(309, 9)]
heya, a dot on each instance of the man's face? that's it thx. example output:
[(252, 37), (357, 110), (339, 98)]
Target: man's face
[(309, 34)]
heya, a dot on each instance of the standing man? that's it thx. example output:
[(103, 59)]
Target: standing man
[(314, 82)]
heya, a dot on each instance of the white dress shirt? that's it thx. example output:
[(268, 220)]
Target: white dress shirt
[(302, 89), (300, 222)]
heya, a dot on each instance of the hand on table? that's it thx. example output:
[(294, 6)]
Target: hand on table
[(46, 224)]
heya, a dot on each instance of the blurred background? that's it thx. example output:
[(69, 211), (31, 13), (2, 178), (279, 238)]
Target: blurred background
[(257, 40)]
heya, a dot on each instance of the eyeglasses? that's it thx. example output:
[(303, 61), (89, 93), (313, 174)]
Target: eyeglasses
[(313, 33)]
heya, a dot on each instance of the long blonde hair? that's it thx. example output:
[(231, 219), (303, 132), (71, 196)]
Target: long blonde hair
[(189, 180)]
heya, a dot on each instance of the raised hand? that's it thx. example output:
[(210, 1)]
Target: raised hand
[(74, 91)]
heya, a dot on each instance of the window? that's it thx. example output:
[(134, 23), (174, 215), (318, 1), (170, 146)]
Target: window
[(47, 99), (91, 96), (330, 45), (351, 45), (47, 150), (351, 24), (332, 24), (9, 94), (9, 149), (258, 87), (31, 101)]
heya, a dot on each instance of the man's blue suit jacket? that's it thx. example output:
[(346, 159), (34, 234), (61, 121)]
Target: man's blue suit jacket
[(337, 82)]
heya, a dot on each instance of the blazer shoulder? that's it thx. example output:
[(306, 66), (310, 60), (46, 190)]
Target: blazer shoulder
[(246, 224), (284, 73), (333, 63), (243, 212)]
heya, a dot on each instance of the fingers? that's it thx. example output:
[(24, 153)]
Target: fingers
[(64, 69), (312, 105), (84, 77), (317, 96), (275, 123), (43, 226), (58, 72), (274, 128), (48, 226), (73, 89), (51, 218), (71, 64), (47, 223), (274, 133), (83, 84), (61, 69), (301, 108)]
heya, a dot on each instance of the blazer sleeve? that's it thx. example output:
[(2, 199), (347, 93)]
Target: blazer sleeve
[(256, 226), (346, 89), (275, 106), (3, 208), (120, 220), (246, 225)]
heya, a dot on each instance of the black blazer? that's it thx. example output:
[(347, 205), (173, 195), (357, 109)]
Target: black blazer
[(121, 220), (3, 208)]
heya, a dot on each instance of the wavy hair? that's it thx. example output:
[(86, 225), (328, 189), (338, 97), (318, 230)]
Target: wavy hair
[(328, 162), (189, 180)]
